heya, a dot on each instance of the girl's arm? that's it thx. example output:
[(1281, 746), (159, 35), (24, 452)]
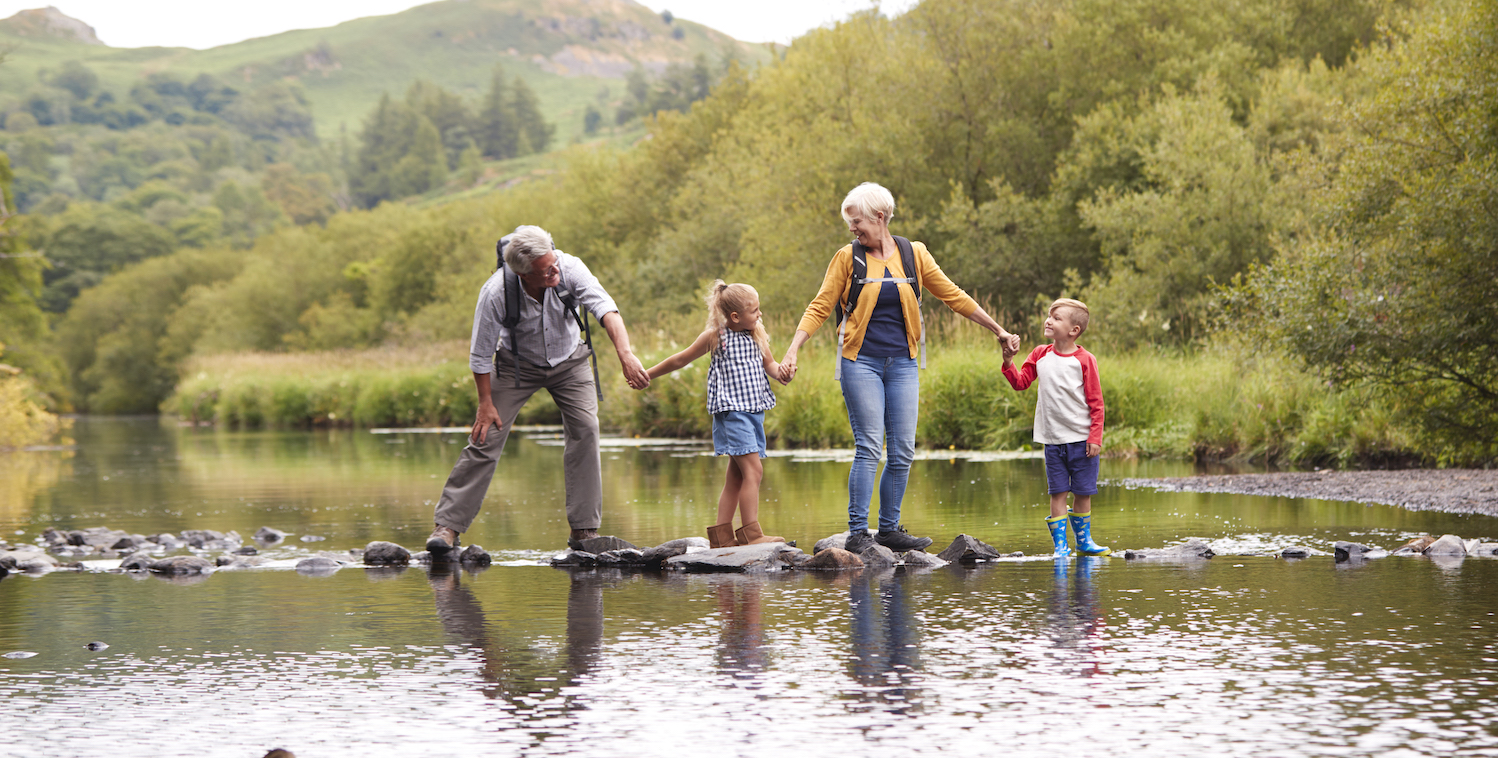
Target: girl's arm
[(697, 349), (771, 367)]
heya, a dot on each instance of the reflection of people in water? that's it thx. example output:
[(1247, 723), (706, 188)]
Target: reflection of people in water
[(886, 642), (1074, 621), (741, 649), (511, 672)]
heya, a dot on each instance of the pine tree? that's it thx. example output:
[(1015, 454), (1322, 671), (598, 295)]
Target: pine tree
[(535, 133), (498, 137)]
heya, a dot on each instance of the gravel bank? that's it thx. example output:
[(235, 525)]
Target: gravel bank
[(1447, 490)]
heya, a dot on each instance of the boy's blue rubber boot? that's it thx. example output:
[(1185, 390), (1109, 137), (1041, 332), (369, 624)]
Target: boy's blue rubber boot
[(1057, 525), (1081, 525)]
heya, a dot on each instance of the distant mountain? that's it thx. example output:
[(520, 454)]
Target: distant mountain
[(572, 53)]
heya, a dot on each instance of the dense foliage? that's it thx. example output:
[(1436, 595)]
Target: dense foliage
[(1139, 154)]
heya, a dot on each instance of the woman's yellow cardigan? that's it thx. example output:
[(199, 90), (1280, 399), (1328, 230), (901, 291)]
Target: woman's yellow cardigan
[(839, 278)]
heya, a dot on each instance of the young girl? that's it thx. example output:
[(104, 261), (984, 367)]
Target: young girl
[(738, 394)]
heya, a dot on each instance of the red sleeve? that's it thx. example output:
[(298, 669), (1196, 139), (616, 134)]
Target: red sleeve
[(1092, 390), (1024, 376)]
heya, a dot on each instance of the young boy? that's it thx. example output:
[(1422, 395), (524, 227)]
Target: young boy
[(1068, 420)]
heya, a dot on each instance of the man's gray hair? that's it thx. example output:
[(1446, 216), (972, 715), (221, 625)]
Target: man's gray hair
[(526, 244), (869, 199)]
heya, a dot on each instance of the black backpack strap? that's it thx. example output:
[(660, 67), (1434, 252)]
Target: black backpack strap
[(511, 318)]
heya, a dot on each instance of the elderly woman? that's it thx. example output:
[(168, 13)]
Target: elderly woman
[(876, 282)]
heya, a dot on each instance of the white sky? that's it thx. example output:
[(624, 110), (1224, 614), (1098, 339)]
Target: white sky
[(199, 24)]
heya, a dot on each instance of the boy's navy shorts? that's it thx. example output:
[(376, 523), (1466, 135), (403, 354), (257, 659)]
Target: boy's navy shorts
[(1068, 469)]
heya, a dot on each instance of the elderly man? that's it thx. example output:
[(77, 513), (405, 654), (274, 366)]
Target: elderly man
[(544, 349)]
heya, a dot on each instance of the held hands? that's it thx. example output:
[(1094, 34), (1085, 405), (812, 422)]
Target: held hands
[(788, 367), (634, 371), (1009, 344)]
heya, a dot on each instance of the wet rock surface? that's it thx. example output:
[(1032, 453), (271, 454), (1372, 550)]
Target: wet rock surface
[(380, 553), (833, 559), (1445, 490), (1194, 549), (740, 558), (968, 549)]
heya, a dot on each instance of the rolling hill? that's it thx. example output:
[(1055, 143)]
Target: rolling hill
[(571, 52)]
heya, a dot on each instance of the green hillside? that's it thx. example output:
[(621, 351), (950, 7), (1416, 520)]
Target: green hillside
[(571, 52)]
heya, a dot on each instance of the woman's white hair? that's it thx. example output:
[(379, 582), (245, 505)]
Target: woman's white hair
[(869, 199), (526, 244)]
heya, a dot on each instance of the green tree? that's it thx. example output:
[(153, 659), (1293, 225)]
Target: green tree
[(535, 132), (498, 134), (1397, 288)]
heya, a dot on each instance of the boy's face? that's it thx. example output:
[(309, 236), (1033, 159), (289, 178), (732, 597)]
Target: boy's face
[(1059, 325)]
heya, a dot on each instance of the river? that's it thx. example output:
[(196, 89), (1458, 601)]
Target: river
[(1241, 655)]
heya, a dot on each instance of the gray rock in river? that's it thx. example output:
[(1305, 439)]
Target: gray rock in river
[(622, 558), (674, 548), (1486, 550), (238, 561), (473, 555), (268, 535), (839, 541), (604, 544), (1194, 549), (96, 646), (1449, 544), (832, 559), (139, 560), (574, 559), (877, 556), (921, 559), (318, 565), (740, 558), (29, 559), (168, 541), (1346, 551), (1415, 546), (178, 565), (380, 553), (968, 549), (1296, 552)]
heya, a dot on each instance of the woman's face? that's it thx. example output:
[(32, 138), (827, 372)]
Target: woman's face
[(864, 228)]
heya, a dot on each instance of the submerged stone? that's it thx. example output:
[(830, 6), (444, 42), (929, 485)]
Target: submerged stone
[(181, 565), (1416, 545), (1345, 551), (269, 535), (1487, 550), (96, 646), (1194, 549), (968, 549), (318, 565), (1295, 551)]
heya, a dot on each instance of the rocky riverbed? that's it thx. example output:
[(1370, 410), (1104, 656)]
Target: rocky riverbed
[(1445, 490)]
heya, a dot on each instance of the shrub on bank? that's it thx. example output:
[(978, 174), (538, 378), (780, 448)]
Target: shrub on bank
[(1211, 404)]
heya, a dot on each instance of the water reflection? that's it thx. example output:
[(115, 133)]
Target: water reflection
[(741, 652), (509, 668), (885, 639), (1074, 621)]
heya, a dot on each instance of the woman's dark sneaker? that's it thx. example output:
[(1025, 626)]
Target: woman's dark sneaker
[(859, 541), (900, 541)]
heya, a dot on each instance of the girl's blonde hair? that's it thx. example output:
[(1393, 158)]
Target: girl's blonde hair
[(723, 299)]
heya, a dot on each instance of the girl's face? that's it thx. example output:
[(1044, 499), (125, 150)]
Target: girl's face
[(746, 319)]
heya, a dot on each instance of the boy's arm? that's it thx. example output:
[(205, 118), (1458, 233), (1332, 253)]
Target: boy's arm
[(1092, 391), (1022, 378), (697, 349)]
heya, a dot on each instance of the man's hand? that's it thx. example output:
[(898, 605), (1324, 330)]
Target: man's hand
[(634, 371), (487, 416), (1094, 451)]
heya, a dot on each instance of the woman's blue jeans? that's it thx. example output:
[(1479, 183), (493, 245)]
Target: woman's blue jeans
[(883, 397)]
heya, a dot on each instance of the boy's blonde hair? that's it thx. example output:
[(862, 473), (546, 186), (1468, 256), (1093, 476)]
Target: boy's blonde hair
[(1078, 314), (723, 299)]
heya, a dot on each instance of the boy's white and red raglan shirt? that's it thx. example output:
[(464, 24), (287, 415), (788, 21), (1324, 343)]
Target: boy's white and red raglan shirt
[(1069, 402)]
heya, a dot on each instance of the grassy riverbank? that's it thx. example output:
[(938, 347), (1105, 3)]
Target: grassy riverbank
[(1209, 404)]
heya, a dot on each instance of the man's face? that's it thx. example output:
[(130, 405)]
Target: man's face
[(545, 272)]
